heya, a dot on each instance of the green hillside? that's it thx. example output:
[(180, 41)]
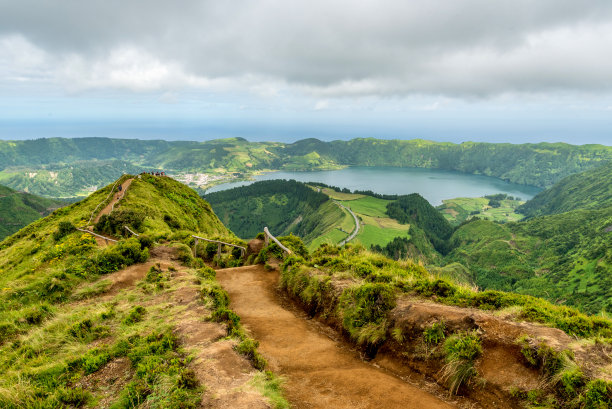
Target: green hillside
[(283, 206), (18, 209), (566, 258), (79, 327), (83, 163), (415, 209), (160, 205), (565, 255), (67, 180), (591, 189)]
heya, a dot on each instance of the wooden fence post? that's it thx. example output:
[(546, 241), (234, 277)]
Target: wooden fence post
[(195, 246), (219, 249)]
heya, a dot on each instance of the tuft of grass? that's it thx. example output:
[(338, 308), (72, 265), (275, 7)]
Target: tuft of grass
[(270, 386), (461, 350), (92, 290)]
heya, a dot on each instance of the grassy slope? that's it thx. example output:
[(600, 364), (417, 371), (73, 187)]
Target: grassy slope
[(162, 199), (587, 190), (18, 209), (565, 258), (32, 257), (51, 340), (277, 204)]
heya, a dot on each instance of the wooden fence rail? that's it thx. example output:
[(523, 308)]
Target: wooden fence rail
[(106, 239), (130, 230), (103, 201), (269, 236), (219, 245)]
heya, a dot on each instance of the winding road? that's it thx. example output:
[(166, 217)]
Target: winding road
[(355, 232)]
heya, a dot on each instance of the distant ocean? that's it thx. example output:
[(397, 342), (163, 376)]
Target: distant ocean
[(191, 130)]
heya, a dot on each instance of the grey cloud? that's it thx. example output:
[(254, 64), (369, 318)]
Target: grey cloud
[(469, 47)]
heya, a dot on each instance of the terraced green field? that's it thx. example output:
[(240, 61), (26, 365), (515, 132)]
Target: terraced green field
[(460, 209), (368, 205), (371, 234)]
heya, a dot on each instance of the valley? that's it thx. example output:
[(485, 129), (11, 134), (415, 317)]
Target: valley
[(435, 306), (306, 205)]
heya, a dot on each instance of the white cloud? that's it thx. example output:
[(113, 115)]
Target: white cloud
[(321, 105), (270, 48)]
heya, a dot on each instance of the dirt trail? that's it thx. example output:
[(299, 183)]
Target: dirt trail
[(116, 197), (225, 374), (320, 372)]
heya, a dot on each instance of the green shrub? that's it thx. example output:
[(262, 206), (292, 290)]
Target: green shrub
[(434, 334), (184, 254), (113, 258), (63, 229), (364, 311), (145, 241), (154, 275), (293, 243), (597, 395), (207, 273), (219, 296), (113, 223), (135, 315), (248, 348), (571, 382), (93, 360)]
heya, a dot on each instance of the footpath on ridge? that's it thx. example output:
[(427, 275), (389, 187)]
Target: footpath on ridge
[(116, 197), (320, 372)]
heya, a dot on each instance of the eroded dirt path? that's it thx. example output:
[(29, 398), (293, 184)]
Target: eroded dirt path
[(320, 372), (116, 197)]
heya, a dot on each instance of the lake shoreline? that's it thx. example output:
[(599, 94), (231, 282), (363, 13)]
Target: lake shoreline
[(433, 184)]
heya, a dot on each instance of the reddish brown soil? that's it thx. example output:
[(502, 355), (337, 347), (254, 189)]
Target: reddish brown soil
[(108, 381), (254, 246), (116, 197), (321, 372)]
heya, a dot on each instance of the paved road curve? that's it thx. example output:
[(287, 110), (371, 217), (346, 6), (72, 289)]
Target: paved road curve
[(354, 233)]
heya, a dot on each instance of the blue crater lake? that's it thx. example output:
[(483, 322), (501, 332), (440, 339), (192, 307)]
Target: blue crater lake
[(434, 185)]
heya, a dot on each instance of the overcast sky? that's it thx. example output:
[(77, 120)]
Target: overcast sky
[(516, 71)]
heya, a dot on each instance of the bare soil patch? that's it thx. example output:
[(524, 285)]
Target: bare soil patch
[(108, 382), (321, 371)]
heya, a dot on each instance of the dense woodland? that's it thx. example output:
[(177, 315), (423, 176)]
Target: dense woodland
[(283, 206)]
